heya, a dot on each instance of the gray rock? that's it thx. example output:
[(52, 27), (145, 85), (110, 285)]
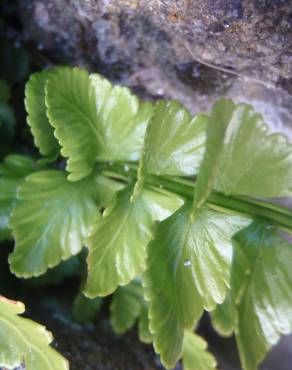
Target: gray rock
[(128, 37), (193, 51)]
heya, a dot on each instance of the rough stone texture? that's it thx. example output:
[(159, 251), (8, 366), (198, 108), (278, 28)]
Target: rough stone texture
[(190, 50), (245, 37)]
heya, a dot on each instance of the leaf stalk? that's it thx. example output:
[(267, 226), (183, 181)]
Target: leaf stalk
[(274, 214)]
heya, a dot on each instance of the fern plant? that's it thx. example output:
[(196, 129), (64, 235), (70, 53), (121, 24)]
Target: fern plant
[(173, 210)]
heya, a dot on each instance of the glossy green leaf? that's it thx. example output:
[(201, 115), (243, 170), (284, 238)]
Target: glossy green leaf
[(250, 161), (161, 203), (12, 173), (126, 306), (221, 113), (262, 291), (145, 335), (51, 220), (241, 155), (37, 119), (121, 119), (94, 121), (223, 317), (22, 340), (107, 188), (117, 245), (71, 108), (195, 355), (177, 141), (189, 266), (174, 143), (190, 252), (85, 309)]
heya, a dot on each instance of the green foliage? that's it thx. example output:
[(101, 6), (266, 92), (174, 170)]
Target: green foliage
[(85, 309), (12, 173), (37, 119), (215, 137), (126, 307), (195, 355), (189, 264), (156, 194), (250, 161), (261, 290), (110, 122), (58, 214), (117, 245), (223, 317), (178, 153), (144, 332), (22, 340)]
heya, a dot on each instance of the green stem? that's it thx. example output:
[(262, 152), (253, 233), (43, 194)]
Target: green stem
[(276, 215), (251, 207)]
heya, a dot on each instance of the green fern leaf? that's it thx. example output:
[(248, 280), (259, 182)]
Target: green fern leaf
[(94, 121), (221, 113), (176, 141), (223, 317), (144, 332), (51, 220), (129, 161), (117, 245), (22, 340), (262, 291), (85, 309), (241, 155), (189, 265), (126, 307), (12, 173), (37, 119), (195, 355)]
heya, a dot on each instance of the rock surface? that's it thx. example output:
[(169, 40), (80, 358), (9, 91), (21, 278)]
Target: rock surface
[(190, 50), (244, 37)]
